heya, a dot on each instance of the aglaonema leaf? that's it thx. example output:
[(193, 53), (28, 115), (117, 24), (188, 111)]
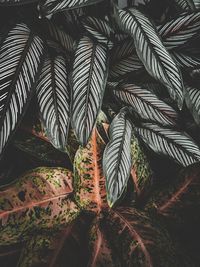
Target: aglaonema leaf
[(38, 200)]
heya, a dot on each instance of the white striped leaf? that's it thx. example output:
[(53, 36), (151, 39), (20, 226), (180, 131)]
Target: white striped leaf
[(192, 99), (53, 100), (20, 60), (152, 52), (88, 82), (180, 30), (124, 59), (117, 157), (99, 29), (146, 104), (48, 7), (197, 4), (186, 60), (177, 145), (16, 2), (185, 5)]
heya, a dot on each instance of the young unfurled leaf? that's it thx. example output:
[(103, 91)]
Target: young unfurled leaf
[(124, 60), (177, 145), (137, 240), (20, 60), (179, 31), (48, 7), (89, 182), (152, 52), (146, 104), (192, 99), (99, 29), (117, 157), (53, 100), (88, 83), (38, 200)]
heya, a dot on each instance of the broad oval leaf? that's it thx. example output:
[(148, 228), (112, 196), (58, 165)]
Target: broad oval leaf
[(146, 104), (177, 145), (48, 7), (138, 240), (123, 60), (16, 2), (89, 182), (53, 100), (150, 49), (179, 31), (20, 60), (117, 157), (99, 29), (39, 199), (88, 82), (192, 99)]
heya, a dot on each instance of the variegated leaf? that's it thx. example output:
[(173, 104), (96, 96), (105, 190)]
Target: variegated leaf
[(151, 51), (186, 60), (53, 100), (185, 5), (177, 145), (192, 99), (146, 104), (117, 157), (48, 7), (179, 31), (124, 60), (20, 60), (88, 81), (16, 2), (39, 199)]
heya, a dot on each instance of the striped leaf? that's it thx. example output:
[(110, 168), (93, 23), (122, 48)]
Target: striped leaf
[(197, 4), (20, 60), (177, 145), (16, 2), (124, 60), (146, 104), (180, 30), (117, 157), (88, 81), (185, 5), (48, 7), (152, 52), (192, 99), (99, 29), (53, 100), (186, 60)]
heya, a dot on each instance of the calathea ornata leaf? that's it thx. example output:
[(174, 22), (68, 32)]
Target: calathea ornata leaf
[(88, 82), (99, 29), (20, 59), (48, 7), (197, 4), (89, 182), (177, 145), (151, 51), (146, 104), (40, 199), (53, 100), (186, 60), (138, 240), (180, 30), (192, 99), (16, 2), (123, 60), (117, 157), (185, 5), (178, 202)]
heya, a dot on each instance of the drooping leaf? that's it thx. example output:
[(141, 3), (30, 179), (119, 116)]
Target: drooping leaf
[(124, 60), (20, 60), (138, 240), (180, 30), (177, 145), (117, 157), (16, 2), (146, 104), (48, 7), (38, 200), (185, 5), (178, 202), (151, 51), (88, 83), (192, 99), (53, 100), (99, 29), (89, 182)]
